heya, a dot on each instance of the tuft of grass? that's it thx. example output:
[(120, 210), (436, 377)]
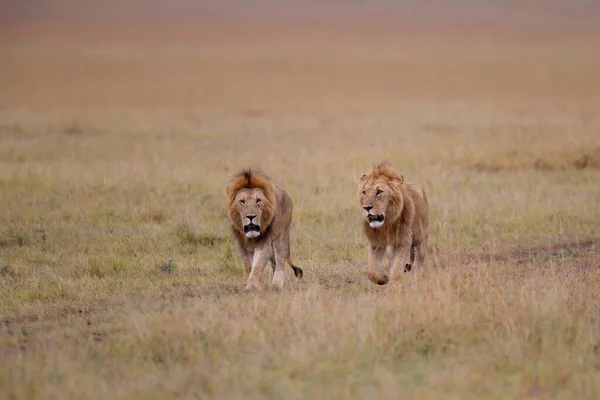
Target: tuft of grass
[(157, 215), (102, 266), (167, 267), (14, 237), (97, 267), (46, 291)]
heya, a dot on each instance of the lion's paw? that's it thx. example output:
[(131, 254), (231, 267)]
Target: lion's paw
[(249, 288)]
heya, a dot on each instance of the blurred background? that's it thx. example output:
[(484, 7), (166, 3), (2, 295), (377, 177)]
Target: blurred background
[(294, 57)]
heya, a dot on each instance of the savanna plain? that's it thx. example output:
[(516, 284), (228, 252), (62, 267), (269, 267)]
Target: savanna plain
[(117, 275)]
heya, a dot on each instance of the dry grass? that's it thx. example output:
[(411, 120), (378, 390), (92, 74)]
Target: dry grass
[(117, 277)]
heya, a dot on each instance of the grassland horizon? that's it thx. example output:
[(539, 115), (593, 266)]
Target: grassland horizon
[(121, 124)]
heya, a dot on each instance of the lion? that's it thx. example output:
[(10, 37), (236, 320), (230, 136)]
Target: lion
[(396, 220), (260, 214)]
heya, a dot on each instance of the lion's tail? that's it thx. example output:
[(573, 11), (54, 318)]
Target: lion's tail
[(297, 271)]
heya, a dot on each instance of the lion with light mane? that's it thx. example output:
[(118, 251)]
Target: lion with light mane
[(260, 214), (396, 221)]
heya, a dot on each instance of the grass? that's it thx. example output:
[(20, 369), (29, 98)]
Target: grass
[(118, 277)]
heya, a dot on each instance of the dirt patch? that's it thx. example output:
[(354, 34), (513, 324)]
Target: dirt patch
[(556, 251), (581, 159), (582, 254)]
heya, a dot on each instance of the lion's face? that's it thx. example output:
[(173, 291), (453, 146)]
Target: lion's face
[(379, 198), (249, 204)]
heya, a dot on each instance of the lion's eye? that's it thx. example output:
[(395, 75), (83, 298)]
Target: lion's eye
[(258, 201), (378, 192), (242, 202), (364, 193)]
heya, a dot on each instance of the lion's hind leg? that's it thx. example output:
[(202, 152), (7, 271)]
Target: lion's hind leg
[(421, 250), (285, 246), (409, 265), (281, 253), (273, 263)]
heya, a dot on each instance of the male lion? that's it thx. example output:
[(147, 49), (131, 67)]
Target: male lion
[(261, 216), (396, 219)]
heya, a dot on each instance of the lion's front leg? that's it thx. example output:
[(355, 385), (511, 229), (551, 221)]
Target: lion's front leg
[(259, 262), (247, 261), (376, 255), (391, 255), (281, 252)]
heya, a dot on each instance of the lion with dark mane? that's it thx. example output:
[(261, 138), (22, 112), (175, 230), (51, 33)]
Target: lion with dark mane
[(260, 214), (396, 220)]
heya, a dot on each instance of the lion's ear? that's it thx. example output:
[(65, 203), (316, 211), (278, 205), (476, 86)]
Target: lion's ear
[(401, 179), (363, 177)]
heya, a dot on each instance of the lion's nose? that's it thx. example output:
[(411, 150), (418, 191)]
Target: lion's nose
[(368, 208), (251, 217)]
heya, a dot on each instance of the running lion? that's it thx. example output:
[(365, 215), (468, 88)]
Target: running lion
[(396, 220), (260, 214)]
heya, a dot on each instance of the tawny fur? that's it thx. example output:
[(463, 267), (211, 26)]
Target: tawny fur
[(252, 193), (405, 228)]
